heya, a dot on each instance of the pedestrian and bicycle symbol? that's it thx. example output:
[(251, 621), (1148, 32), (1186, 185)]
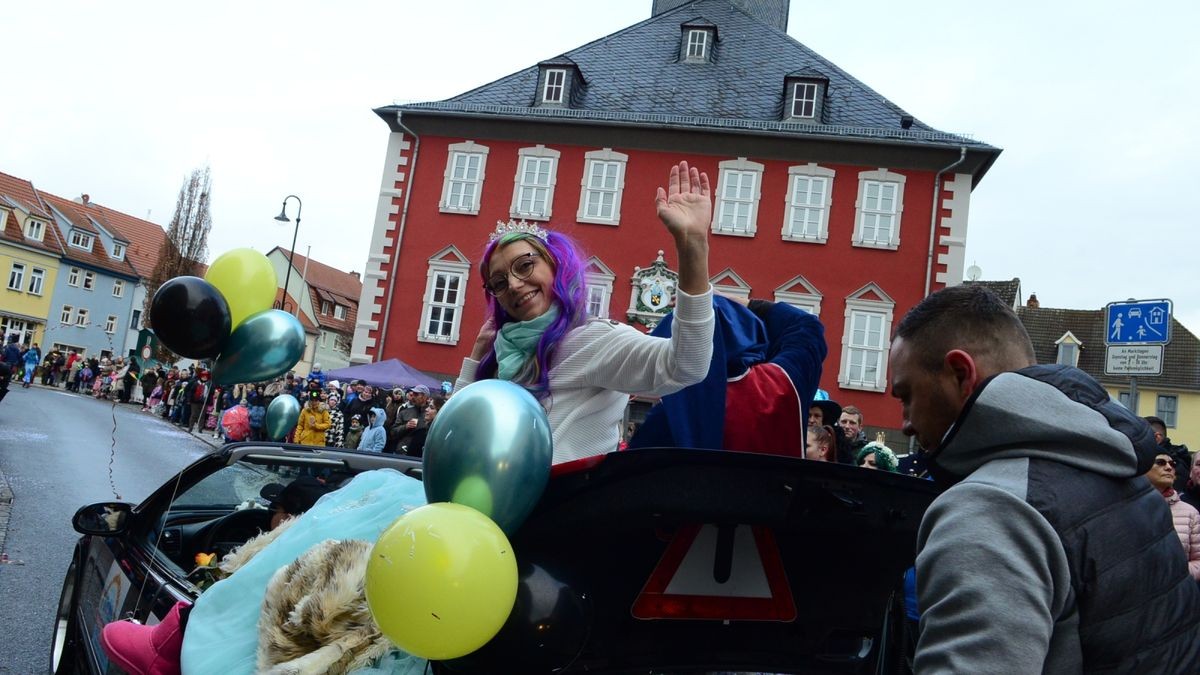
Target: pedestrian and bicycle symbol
[(1141, 322)]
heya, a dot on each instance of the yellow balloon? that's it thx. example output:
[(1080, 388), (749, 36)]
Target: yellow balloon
[(441, 581), (247, 280)]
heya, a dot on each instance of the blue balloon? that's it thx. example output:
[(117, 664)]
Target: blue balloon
[(266, 345), (489, 448), (282, 415)]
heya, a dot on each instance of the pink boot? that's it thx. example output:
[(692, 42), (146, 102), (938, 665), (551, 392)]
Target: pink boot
[(147, 650)]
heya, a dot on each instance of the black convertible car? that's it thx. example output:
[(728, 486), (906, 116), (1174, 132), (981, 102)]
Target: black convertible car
[(647, 561)]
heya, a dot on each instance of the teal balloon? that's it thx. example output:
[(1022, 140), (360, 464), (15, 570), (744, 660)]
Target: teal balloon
[(264, 346), (489, 448), (282, 415)]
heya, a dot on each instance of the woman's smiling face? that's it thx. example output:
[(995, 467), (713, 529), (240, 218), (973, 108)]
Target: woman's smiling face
[(523, 299)]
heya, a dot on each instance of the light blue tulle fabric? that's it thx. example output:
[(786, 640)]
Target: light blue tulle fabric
[(222, 630)]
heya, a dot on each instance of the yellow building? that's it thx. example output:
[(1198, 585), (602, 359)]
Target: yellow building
[(30, 250), (1179, 408)]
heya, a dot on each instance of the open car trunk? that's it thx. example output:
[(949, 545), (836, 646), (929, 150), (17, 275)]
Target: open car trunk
[(669, 560)]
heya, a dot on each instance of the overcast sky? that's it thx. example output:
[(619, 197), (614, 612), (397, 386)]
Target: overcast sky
[(1095, 104)]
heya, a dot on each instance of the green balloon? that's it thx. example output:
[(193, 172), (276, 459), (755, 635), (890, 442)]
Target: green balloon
[(262, 347), (474, 492)]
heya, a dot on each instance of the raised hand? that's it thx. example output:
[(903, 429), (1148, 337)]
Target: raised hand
[(685, 206)]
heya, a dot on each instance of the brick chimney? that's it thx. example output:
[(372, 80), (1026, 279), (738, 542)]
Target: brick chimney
[(1032, 302)]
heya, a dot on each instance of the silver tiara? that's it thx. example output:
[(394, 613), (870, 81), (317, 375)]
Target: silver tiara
[(520, 227)]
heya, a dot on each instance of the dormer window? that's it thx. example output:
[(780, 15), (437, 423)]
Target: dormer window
[(697, 40), (118, 251), (804, 96), (1068, 350), (35, 229), (804, 99), (697, 45), (559, 82), (556, 85), (80, 239)]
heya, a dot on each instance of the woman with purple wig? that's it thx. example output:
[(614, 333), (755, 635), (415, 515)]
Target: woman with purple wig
[(538, 333)]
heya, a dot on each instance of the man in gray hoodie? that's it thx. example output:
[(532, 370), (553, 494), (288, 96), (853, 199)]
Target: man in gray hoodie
[(1048, 552)]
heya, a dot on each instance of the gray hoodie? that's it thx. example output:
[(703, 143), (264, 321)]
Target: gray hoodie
[(374, 437), (1051, 552)]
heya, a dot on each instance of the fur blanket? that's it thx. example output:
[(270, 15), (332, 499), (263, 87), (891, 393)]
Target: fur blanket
[(314, 616)]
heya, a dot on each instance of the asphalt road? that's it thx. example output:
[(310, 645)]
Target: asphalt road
[(56, 454)]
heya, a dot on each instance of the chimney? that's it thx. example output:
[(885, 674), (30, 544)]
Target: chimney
[(83, 199), (355, 274), (1032, 302), (771, 12)]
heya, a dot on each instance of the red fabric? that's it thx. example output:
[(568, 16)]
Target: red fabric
[(762, 413)]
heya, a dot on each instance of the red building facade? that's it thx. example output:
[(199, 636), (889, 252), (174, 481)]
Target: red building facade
[(824, 191)]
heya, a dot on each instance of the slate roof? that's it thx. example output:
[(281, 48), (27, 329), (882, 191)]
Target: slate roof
[(635, 75), (334, 285), (20, 193), (1009, 291), (1181, 358), (98, 256)]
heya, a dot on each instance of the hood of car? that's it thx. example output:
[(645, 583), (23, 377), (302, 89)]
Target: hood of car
[(686, 560)]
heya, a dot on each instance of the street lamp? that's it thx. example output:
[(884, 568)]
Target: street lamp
[(283, 218)]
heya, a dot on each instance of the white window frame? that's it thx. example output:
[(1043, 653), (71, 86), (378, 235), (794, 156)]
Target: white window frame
[(340, 311), (35, 229), (615, 161), (73, 277), (89, 280), (1067, 344), (554, 88), (135, 320), (804, 95), (730, 283), (82, 317), (118, 290), (862, 213), (808, 299), (742, 169), (856, 305), (1168, 414), (16, 277), (81, 240), (809, 173), (118, 251), (466, 151), (37, 280), (439, 268), (696, 50), (110, 324), (326, 308), (538, 154), (66, 317), (599, 279)]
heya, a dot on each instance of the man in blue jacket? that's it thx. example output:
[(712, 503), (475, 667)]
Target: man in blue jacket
[(1048, 552)]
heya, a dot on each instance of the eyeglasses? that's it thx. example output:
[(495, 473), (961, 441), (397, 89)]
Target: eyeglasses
[(1159, 461), (520, 269)]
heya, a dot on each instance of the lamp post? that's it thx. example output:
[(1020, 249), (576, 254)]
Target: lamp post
[(283, 218)]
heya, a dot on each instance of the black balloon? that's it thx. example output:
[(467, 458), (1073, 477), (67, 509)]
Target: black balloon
[(190, 317), (546, 631)]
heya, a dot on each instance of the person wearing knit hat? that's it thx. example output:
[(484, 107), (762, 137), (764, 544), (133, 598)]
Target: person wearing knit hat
[(876, 455)]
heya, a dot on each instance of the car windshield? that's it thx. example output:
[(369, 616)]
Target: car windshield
[(235, 484)]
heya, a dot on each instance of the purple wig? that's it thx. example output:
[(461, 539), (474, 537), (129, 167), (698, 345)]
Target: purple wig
[(570, 294)]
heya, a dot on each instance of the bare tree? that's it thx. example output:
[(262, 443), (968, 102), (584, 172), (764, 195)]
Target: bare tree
[(186, 245)]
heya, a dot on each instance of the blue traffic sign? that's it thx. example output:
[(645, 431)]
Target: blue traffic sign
[(1138, 322)]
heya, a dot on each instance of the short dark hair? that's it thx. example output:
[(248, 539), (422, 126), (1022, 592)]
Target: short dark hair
[(1157, 424), (971, 318)]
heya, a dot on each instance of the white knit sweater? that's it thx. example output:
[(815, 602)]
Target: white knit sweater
[(602, 362)]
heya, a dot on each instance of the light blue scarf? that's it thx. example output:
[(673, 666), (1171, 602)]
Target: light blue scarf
[(517, 341)]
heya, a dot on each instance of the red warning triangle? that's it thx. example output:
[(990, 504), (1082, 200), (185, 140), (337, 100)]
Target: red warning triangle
[(733, 573)]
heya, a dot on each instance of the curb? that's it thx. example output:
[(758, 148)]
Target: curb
[(6, 497)]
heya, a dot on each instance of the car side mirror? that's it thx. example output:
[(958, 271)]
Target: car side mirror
[(105, 519)]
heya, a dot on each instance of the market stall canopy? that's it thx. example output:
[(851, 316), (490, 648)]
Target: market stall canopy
[(389, 373)]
